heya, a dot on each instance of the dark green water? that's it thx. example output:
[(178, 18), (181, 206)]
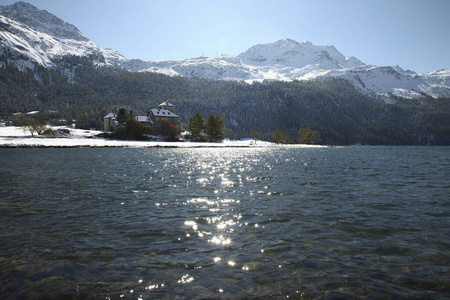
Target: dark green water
[(349, 222)]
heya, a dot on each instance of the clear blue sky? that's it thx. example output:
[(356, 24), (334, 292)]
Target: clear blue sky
[(413, 34)]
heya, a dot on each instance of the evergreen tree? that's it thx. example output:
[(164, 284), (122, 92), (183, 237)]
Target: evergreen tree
[(215, 128), (196, 125), (122, 116), (134, 129)]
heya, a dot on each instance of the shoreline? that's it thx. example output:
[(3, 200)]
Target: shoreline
[(15, 138), (35, 146), (71, 144)]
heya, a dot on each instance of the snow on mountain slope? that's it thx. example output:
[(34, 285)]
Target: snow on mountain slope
[(42, 21), (436, 83), (289, 60), (290, 53), (222, 67), (282, 60), (374, 80), (28, 35)]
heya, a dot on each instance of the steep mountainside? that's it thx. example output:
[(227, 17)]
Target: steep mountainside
[(29, 35), (42, 21)]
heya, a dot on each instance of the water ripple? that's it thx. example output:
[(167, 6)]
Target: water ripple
[(347, 222)]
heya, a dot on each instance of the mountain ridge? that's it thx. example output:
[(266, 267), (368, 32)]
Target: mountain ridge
[(39, 19), (29, 35)]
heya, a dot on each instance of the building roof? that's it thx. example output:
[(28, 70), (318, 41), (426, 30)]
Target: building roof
[(110, 116), (166, 103), (32, 112), (144, 119), (163, 113)]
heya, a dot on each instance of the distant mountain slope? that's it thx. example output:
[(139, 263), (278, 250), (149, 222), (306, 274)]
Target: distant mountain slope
[(42, 21), (289, 60), (29, 35), (289, 53)]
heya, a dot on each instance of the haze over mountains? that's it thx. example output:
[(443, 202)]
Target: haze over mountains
[(28, 35)]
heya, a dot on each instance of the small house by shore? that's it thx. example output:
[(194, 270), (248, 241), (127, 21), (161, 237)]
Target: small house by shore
[(152, 122)]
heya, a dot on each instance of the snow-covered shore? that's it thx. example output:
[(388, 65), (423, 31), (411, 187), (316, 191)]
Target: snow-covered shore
[(15, 137)]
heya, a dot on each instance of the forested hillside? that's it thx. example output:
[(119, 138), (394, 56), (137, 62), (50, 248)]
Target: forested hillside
[(334, 108)]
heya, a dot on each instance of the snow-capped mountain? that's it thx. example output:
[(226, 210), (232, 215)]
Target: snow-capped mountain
[(289, 60), (42, 21), (28, 35), (282, 60), (289, 53)]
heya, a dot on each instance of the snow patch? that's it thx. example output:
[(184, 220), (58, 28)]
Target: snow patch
[(16, 137)]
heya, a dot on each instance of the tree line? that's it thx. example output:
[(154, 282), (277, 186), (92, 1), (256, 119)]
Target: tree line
[(211, 129)]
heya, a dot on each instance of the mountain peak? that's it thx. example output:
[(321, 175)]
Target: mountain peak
[(22, 4), (293, 43), (290, 53), (41, 20), (286, 41)]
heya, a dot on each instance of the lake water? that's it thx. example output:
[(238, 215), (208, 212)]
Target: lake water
[(302, 223)]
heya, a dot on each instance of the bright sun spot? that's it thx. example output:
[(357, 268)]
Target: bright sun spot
[(192, 224), (186, 279), (220, 240)]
